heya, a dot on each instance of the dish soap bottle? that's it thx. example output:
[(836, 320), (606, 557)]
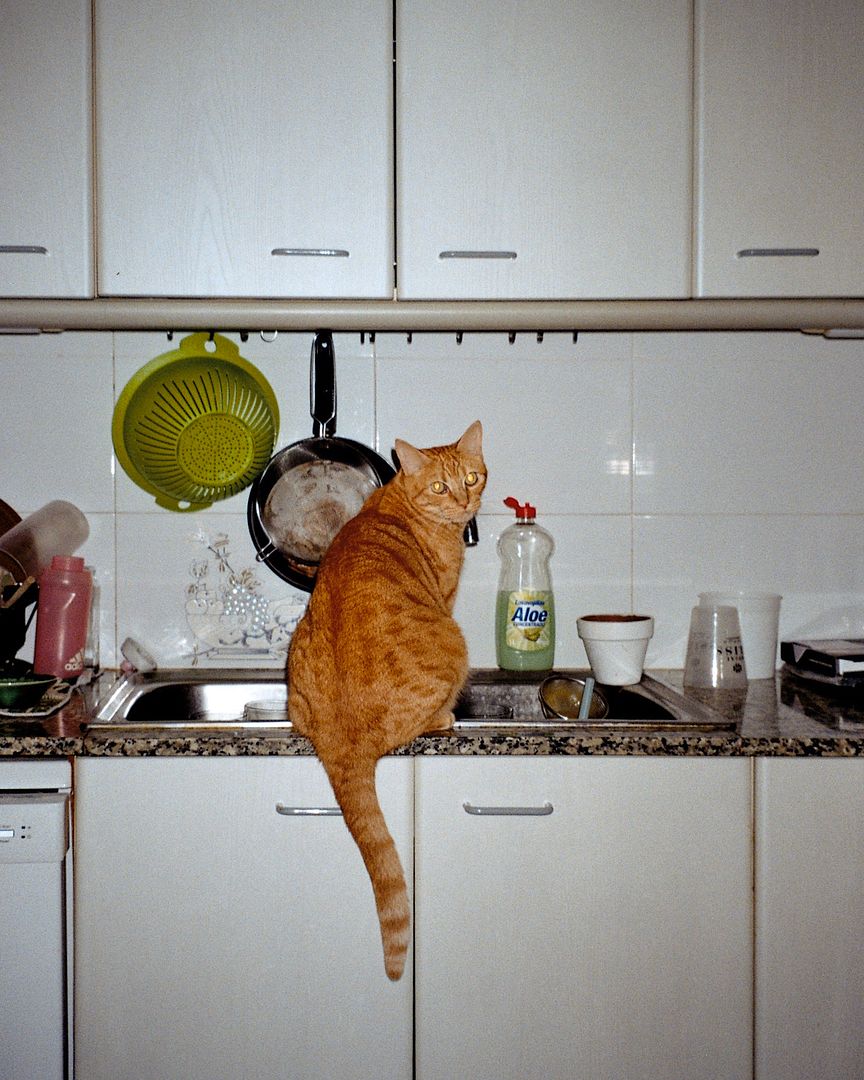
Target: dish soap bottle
[(525, 609)]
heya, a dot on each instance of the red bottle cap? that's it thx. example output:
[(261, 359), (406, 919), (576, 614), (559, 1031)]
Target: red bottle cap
[(524, 513)]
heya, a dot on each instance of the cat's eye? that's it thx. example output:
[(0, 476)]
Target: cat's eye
[(471, 479), (439, 487)]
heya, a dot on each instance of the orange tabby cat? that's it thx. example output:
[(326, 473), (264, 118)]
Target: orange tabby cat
[(378, 659)]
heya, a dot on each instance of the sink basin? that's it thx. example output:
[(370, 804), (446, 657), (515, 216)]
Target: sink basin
[(195, 699), (191, 698), (509, 701)]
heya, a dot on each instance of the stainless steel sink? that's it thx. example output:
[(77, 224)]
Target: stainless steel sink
[(195, 699), (505, 701)]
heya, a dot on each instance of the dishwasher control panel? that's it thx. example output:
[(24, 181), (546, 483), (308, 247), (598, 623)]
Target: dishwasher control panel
[(33, 826)]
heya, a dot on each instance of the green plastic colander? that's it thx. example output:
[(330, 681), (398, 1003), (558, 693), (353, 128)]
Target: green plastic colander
[(195, 425)]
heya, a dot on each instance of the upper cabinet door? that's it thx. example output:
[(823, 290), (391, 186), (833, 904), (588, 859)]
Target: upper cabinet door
[(544, 148), (45, 165), (781, 155), (245, 149)]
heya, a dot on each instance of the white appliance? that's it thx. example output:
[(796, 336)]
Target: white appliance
[(34, 868)]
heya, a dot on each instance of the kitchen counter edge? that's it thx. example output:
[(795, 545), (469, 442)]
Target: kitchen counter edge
[(775, 718)]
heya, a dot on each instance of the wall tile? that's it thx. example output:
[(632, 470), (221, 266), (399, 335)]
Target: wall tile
[(815, 562), (747, 423), (743, 449), (55, 439), (555, 433), (204, 599), (706, 347)]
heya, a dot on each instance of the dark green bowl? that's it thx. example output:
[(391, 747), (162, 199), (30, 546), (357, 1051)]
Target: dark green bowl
[(21, 692)]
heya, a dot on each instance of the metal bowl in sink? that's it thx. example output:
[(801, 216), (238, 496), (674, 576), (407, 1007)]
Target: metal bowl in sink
[(562, 696)]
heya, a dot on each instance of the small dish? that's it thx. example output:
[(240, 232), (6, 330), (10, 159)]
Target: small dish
[(19, 692)]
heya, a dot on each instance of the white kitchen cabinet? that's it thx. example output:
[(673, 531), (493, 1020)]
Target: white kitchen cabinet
[(780, 98), (45, 165), (608, 938), (217, 939), (245, 149), (809, 935), (543, 149)]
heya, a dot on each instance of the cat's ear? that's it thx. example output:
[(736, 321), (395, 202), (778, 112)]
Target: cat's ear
[(410, 458), (470, 443)]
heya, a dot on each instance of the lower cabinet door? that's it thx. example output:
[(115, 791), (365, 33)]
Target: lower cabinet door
[(809, 925), (583, 918), (217, 939)]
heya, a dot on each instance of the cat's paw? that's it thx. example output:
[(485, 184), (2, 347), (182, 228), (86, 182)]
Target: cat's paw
[(442, 721)]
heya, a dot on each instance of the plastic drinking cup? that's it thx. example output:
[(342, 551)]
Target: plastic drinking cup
[(715, 655), (759, 615)]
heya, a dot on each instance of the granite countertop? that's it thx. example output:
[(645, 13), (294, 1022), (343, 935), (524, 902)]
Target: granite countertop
[(782, 717)]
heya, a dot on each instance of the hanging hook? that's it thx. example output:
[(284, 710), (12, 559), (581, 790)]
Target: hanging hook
[(410, 337), (539, 337), (575, 336), (212, 335), (244, 335), (458, 337), (170, 335), (263, 335), (511, 337)]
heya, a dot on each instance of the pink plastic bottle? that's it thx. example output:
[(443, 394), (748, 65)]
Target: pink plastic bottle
[(62, 617)]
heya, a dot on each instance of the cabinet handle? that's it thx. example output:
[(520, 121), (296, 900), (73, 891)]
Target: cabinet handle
[(508, 811), (751, 253), (476, 254), (23, 249), (328, 253), (308, 811)]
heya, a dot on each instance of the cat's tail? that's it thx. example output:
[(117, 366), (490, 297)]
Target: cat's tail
[(354, 788)]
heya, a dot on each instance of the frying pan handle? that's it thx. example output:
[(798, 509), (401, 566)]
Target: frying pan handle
[(322, 385)]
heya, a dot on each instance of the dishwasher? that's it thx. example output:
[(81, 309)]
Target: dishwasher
[(34, 896)]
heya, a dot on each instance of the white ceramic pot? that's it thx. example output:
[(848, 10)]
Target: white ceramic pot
[(616, 646)]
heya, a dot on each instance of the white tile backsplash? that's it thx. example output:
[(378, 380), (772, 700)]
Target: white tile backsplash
[(555, 432), (815, 562), (55, 439), (192, 591), (742, 435), (663, 464)]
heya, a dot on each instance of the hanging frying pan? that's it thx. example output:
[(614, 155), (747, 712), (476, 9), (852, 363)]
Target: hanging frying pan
[(311, 488)]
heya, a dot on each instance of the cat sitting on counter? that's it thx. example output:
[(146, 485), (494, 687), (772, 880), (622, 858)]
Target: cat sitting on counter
[(378, 659)]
